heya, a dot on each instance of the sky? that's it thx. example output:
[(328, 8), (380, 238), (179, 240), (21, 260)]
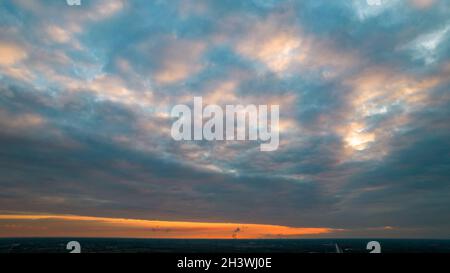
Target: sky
[(86, 93)]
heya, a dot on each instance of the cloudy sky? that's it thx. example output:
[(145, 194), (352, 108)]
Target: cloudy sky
[(86, 93)]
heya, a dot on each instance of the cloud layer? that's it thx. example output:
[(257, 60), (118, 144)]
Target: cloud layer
[(86, 94)]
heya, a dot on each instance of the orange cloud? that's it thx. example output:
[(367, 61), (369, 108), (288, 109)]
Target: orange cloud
[(374, 90), (10, 54), (9, 121), (58, 34), (181, 61), (422, 4), (19, 225), (290, 49)]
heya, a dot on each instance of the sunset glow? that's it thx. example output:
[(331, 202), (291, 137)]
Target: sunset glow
[(85, 226)]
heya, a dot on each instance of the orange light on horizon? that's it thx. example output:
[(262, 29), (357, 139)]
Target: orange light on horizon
[(18, 225)]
